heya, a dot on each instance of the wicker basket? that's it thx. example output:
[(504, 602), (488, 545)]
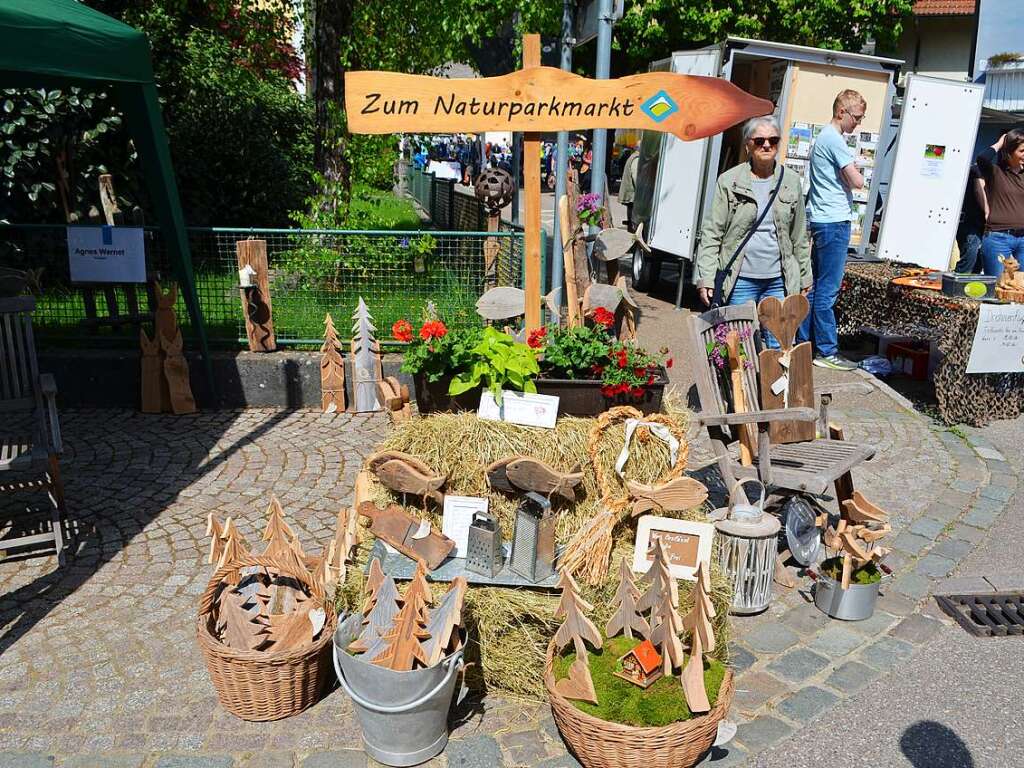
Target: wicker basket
[(601, 744), (259, 685)]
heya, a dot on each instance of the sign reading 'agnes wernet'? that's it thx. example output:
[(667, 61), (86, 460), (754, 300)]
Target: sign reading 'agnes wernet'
[(546, 99)]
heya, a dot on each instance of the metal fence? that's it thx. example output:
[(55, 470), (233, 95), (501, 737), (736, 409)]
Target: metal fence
[(312, 272), (447, 206)]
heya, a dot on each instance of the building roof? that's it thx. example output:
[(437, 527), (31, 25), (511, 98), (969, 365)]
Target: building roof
[(648, 656), (944, 7)]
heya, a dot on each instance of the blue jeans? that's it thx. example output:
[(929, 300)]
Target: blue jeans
[(828, 262), (998, 244), (754, 289), (969, 243)]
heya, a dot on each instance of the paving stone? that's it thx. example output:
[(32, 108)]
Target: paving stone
[(761, 732), (269, 760), (885, 653), (561, 761), (1005, 480), (928, 527), (805, 618), (337, 758), (916, 629), (770, 638), (987, 452), (967, 486), (725, 756), (836, 641), (954, 549), (524, 747), (196, 761), (740, 658), (961, 532), (798, 665), (962, 585), (897, 561), (935, 566), (851, 676), (25, 760), (876, 624), (807, 703), (1006, 582), (474, 752), (988, 505), (911, 543), (982, 518), (913, 585), (997, 492), (943, 512), (752, 689), (117, 761)]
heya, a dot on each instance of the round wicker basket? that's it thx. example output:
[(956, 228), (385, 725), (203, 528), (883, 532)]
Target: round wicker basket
[(601, 744), (259, 685)]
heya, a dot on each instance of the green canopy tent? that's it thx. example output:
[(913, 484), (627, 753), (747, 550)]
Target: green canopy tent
[(56, 43)]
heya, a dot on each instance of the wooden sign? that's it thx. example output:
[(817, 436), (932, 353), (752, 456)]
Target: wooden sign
[(688, 544), (539, 99)]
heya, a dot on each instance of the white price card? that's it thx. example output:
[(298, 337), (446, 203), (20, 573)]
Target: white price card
[(520, 408), (457, 517), (999, 340)]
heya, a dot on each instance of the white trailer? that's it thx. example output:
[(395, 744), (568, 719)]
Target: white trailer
[(676, 179)]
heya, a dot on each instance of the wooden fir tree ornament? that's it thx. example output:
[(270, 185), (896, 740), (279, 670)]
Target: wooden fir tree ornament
[(278, 534), (244, 628), (346, 537), (332, 370), (702, 640), (576, 627), (665, 631), (235, 546), (659, 578), (626, 619), (404, 640), (216, 533), (419, 588), (444, 620), (374, 578), (380, 617), (366, 365)]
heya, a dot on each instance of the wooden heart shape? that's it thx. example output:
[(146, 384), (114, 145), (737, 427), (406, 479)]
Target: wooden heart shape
[(782, 318), (578, 685)]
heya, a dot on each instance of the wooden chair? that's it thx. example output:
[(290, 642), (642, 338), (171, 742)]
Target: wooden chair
[(27, 393), (807, 467)]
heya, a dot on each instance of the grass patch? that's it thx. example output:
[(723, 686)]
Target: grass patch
[(619, 701), (374, 209), (866, 574)]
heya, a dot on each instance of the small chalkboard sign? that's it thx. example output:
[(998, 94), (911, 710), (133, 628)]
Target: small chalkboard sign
[(688, 544)]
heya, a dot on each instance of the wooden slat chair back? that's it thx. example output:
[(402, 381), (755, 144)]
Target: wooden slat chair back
[(809, 467), (26, 393)]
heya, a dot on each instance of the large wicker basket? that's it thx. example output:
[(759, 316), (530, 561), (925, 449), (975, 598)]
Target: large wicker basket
[(601, 744), (258, 685)]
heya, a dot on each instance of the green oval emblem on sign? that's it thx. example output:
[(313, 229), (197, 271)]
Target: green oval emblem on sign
[(975, 289)]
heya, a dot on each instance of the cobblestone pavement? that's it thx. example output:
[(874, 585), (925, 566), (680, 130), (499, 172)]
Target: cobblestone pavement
[(98, 662)]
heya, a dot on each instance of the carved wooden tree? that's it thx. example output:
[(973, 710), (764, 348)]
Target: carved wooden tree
[(366, 364), (383, 608), (404, 640), (373, 581), (235, 546), (659, 578), (419, 587), (216, 533), (332, 370), (576, 627), (665, 632), (702, 640), (627, 617), (278, 534), (243, 628)]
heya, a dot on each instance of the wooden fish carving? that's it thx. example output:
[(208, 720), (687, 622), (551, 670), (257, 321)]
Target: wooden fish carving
[(612, 243), (523, 473), (400, 529), (506, 302), (404, 478), (378, 458), (674, 496)]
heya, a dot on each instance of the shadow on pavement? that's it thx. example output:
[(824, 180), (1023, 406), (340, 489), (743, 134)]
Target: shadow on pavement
[(927, 744)]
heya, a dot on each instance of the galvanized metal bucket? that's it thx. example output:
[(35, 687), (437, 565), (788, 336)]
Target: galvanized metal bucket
[(403, 715), (855, 603)]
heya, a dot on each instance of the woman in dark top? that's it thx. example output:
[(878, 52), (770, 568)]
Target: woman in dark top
[(1002, 168)]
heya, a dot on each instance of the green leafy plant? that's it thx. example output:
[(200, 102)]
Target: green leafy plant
[(632, 369), (865, 574), (435, 352), (576, 353), (499, 361)]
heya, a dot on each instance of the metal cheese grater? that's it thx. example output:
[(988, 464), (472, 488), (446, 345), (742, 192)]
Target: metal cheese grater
[(533, 542), (484, 554)]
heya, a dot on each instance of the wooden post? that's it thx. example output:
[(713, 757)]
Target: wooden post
[(259, 324), (531, 184)]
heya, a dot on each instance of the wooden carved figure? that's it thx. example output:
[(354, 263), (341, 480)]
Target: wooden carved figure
[(379, 618), (176, 372), (515, 474), (235, 546), (702, 640), (626, 617), (666, 626), (576, 627), (394, 396), (244, 628), (332, 370), (404, 640), (278, 534), (404, 477), (419, 587), (676, 495), (444, 620), (374, 578), (155, 396), (366, 365), (216, 533), (165, 320), (641, 665), (659, 578)]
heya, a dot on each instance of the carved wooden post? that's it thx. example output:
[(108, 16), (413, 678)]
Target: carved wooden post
[(259, 323), (531, 184)]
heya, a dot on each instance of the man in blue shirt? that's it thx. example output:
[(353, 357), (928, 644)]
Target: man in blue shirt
[(834, 176)]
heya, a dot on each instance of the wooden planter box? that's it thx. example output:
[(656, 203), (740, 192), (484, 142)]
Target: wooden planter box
[(577, 397)]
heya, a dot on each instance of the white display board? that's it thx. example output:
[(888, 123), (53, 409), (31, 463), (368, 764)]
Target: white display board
[(998, 345), (933, 155), (106, 254)]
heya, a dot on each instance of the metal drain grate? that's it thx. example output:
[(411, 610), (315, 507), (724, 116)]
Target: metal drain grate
[(993, 614)]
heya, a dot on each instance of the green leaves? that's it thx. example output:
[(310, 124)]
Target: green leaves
[(573, 353), (498, 362)]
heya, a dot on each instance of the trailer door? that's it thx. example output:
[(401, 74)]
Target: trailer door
[(676, 196)]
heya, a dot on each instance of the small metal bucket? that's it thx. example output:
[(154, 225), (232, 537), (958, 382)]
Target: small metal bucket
[(403, 715), (855, 603)]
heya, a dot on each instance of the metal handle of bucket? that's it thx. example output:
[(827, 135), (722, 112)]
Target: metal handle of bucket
[(454, 666), (740, 484)]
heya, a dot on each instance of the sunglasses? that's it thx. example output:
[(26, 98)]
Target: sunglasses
[(760, 141)]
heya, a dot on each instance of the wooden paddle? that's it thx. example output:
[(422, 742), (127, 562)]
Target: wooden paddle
[(782, 319), (739, 401)]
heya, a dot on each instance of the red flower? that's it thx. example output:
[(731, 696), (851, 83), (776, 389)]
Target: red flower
[(668, 363), (639, 372), (608, 390), (402, 330), (637, 392), (537, 337), (433, 329), (650, 380), (603, 317)]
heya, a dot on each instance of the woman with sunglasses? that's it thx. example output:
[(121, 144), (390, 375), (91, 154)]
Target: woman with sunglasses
[(775, 260)]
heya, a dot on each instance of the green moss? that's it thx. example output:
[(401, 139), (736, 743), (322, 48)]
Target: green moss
[(866, 574), (619, 701)]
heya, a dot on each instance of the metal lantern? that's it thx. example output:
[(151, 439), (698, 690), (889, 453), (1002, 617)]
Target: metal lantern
[(533, 542), (484, 554), (747, 543), (494, 187)]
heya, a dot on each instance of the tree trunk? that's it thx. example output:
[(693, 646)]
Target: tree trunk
[(331, 23)]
